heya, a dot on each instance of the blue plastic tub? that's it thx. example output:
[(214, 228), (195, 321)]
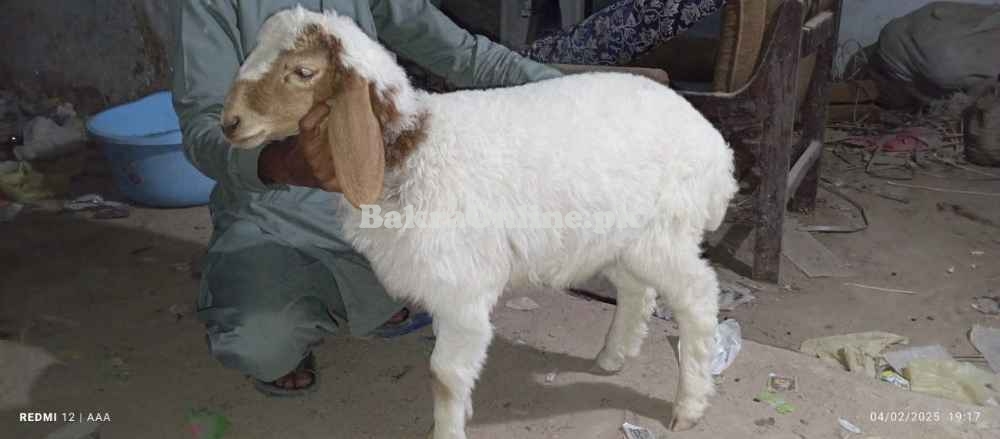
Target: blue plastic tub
[(142, 141)]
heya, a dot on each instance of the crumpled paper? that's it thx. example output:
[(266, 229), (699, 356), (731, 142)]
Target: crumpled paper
[(858, 352), (950, 379), (20, 366)]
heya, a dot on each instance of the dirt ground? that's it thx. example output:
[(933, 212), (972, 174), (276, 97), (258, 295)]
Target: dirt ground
[(111, 299), (945, 258)]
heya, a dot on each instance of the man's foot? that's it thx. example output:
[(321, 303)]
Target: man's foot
[(304, 378), (399, 317), (298, 382), (402, 323)]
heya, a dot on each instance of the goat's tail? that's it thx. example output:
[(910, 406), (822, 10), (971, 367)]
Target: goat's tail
[(722, 192)]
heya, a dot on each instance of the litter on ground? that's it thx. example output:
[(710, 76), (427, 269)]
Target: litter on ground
[(522, 304), (728, 342), (859, 352), (636, 432), (987, 342)]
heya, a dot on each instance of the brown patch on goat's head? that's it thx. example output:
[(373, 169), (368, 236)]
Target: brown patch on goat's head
[(370, 125), (266, 107)]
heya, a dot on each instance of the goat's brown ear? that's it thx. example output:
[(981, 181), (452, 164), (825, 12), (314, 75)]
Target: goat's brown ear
[(355, 137)]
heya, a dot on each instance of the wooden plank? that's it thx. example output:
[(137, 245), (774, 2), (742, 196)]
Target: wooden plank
[(736, 116), (572, 12), (814, 109), (803, 165), (809, 255), (658, 75), (816, 31), (854, 113), (861, 91)]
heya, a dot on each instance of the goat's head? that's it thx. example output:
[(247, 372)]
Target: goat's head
[(305, 58)]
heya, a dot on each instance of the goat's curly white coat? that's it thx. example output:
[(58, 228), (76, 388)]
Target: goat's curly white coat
[(598, 142)]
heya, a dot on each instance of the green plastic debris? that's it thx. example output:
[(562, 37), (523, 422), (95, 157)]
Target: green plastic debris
[(205, 424), (776, 401), (23, 184)]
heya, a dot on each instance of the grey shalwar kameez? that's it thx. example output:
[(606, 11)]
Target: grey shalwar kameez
[(277, 277)]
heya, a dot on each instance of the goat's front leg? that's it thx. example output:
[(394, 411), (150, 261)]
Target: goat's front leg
[(463, 337)]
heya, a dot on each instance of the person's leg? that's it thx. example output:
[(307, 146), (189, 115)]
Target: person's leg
[(369, 308), (620, 32), (260, 303)]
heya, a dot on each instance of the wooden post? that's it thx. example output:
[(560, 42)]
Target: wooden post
[(774, 150), (759, 117), (571, 12), (657, 75), (814, 111), (515, 23)]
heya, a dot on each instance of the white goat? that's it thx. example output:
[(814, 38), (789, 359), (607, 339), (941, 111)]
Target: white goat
[(593, 142)]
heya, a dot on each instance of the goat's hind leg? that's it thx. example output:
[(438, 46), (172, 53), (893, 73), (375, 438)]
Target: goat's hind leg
[(631, 322), (690, 287), (463, 337)]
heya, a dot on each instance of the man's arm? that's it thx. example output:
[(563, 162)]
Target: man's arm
[(205, 59), (423, 34)]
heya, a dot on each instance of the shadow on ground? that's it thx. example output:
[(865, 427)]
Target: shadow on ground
[(112, 300)]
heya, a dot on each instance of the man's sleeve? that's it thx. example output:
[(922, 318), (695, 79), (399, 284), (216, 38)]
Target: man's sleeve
[(422, 33), (206, 56)]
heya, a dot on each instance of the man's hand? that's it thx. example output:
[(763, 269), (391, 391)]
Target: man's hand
[(302, 160)]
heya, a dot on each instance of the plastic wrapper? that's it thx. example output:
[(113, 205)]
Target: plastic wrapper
[(890, 376), (728, 342), (637, 432)]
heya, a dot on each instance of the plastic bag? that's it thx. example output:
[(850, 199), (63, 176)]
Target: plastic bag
[(942, 45), (728, 342), (45, 139)]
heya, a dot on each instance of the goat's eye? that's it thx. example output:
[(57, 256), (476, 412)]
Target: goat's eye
[(304, 73)]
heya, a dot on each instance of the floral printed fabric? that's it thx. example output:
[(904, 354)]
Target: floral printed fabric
[(621, 32)]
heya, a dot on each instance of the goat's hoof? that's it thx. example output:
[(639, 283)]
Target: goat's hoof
[(609, 363), (682, 424)]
